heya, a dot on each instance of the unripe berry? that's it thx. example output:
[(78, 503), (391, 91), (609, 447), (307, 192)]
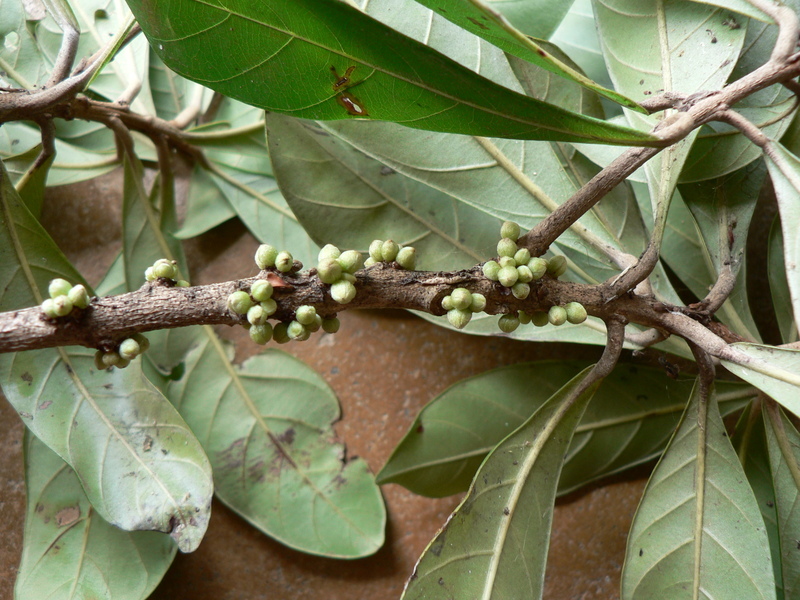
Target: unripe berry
[(49, 309), (369, 262), (389, 250), (522, 256), (166, 269), (343, 291), (269, 306), (507, 261), (557, 266), (447, 303), (506, 247), (491, 269), (459, 318), (265, 256), (538, 267), (330, 325), (508, 276), (376, 250), (540, 318), (478, 303), (508, 323), (280, 333), (261, 290), (349, 277), (261, 334), (123, 363), (511, 230), (315, 325), (182, 283), (329, 271), (297, 331), (240, 302), (78, 296), (525, 275), (62, 306), (407, 258), (462, 298), (524, 318), (257, 315), (144, 343), (284, 261), (557, 315), (59, 287), (305, 314), (98, 361), (149, 274), (328, 251), (576, 313), (111, 359), (351, 261), (521, 290), (129, 349)]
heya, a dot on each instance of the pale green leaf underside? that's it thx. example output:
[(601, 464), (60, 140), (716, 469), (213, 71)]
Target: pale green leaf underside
[(775, 371)]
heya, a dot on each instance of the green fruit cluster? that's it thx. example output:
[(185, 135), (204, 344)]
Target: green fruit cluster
[(460, 306), (573, 312), (63, 298), (337, 268), (164, 268), (388, 251), (269, 257), (120, 358), (515, 267)]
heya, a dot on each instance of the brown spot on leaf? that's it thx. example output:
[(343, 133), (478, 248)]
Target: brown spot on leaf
[(44, 404), (27, 378), (287, 437), (68, 515), (420, 428), (148, 444), (475, 21)]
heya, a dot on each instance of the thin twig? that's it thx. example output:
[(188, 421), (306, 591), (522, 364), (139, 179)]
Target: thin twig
[(69, 44)]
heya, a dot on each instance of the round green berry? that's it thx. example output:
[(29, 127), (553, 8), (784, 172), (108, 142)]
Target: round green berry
[(79, 296), (297, 331), (256, 315), (112, 359), (459, 318), (522, 256), (508, 276), (576, 313), (269, 306), (349, 277), (491, 269), (182, 283), (447, 303), (510, 230), (329, 271), (284, 261), (557, 266), (538, 267), (62, 306), (407, 258), (376, 250), (508, 323), (462, 298), (328, 251), (165, 270), (261, 333), (507, 261), (261, 290), (524, 318), (98, 361), (540, 318), (305, 314), (557, 315), (265, 256), (240, 302), (49, 308), (521, 290), (149, 274), (59, 287), (129, 349), (280, 333), (144, 343), (478, 303), (343, 291), (525, 275), (506, 247), (315, 325), (123, 363), (351, 261), (370, 261), (330, 325), (389, 250)]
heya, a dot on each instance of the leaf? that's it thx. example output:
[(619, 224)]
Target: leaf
[(784, 169), (267, 429), (536, 18), (485, 22), (775, 371), (634, 412), (29, 178), (66, 543), (104, 425), (495, 543), (741, 6), (317, 41), (698, 531), (173, 94), (783, 441), (778, 286), (21, 61)]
